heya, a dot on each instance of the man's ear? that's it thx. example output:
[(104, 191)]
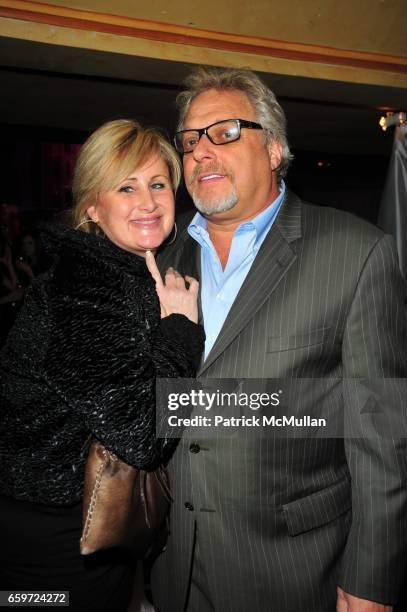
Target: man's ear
[(275, 153), (92, 213)]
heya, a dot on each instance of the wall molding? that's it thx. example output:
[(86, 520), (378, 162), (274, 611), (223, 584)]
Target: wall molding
[(184, 35)]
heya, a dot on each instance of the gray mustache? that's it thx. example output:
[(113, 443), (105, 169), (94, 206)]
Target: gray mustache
[(211, 168)]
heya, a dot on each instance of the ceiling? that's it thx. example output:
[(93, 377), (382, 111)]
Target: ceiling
[(366, 25), (66, 65), (77, 89)]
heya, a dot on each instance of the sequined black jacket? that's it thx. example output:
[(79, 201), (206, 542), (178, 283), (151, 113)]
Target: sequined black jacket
[(82, 359)]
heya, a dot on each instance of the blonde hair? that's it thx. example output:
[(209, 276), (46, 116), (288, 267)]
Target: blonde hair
[(268, 111), (108, 157)]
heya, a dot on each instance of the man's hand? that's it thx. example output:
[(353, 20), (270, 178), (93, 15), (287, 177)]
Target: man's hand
[(349, 603)]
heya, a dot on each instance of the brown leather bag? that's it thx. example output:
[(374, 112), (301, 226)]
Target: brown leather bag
[(123, 506)]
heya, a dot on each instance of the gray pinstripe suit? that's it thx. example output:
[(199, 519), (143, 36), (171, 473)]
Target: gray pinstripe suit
[(279, 523)]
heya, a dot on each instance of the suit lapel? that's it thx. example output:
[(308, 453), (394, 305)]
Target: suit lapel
[(189, 262), (182, 255), (275, 257)]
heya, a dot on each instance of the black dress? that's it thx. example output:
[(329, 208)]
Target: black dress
[(80, 361)]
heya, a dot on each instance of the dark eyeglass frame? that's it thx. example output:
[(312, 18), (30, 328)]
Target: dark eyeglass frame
[(241, 123)]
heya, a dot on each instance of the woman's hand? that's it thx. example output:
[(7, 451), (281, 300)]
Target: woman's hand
[(174, 296)]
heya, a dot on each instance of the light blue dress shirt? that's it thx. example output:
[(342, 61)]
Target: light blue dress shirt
[(219, 288)]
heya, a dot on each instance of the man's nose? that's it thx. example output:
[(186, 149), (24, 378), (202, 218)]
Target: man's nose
[(204, 149)]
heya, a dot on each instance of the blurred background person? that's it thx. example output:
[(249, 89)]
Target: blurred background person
[(11, 291), (30, 259)]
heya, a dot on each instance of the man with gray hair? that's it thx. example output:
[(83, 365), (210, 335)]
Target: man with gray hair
[(288, 291)]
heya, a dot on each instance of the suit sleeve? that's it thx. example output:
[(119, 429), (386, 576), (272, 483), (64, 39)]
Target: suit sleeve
[(103, 358), (375, 349)]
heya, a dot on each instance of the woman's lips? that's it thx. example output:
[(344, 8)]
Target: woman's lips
[(147, 223)]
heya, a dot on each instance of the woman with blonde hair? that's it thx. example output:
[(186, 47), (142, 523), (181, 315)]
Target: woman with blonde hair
[(82, 360)]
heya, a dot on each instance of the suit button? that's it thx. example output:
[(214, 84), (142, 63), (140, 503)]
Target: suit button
[(189, 506), (194, 448)]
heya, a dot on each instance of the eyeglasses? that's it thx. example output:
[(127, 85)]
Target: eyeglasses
[(219, 133)]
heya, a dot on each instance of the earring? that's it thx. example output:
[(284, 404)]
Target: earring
[(174, 236), (85, 221)]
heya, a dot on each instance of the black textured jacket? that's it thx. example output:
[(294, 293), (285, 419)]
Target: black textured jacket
[(82, 359)]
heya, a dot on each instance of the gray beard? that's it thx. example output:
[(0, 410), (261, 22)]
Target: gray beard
[(218, 206)]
